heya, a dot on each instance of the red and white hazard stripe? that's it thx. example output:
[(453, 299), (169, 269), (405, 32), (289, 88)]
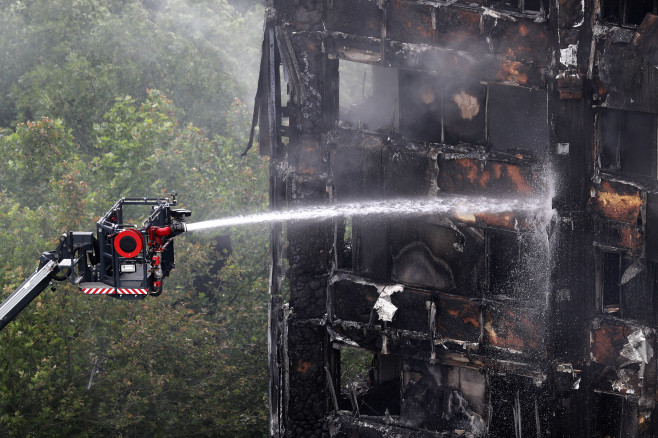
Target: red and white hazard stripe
[(131, 291), (98, 290), (111, 290)]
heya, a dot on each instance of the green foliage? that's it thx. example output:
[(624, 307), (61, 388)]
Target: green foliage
[(194, 360), (35, 145), (188, 362)]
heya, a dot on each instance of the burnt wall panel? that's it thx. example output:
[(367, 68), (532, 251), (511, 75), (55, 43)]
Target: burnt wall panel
[(618, 202), (356, 165), (431, 393), (413, 313), (408, 171), (570, 13), (308, 101), (429, 252), (458, 319), (652, 227), (618, 235), (521, 40), (646, 39), (488, 68), (608, 339), (410, 23), (515, 330), (569, 330), (470, 176), (353, 48), (630, 81), (309, 251), (346, 426), (353, 301), (361, 17), (460, 29), (624, 364)]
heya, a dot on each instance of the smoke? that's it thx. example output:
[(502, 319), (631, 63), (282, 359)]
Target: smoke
[(202, 54)]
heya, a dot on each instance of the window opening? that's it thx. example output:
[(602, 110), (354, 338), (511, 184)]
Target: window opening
[(369, 382), (464, 113), (516, 407), (611, 294), (370, 247), (615, 416), (343, 243), (624, 286), (532, 5), (368, 96), (517, 265), (509, 4), (441, 110), (505, 252), (628, 142), (421, 116)]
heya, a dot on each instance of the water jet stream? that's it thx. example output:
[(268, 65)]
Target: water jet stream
[(397, 207)]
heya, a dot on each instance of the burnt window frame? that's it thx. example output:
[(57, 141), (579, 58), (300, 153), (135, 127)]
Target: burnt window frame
[(536, 150), (447, 127), (608, 285), (516, 285), (623, 11), (505, 286), (617, 167), (614, 413)]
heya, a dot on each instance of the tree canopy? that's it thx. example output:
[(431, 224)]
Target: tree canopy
[(105, 99)]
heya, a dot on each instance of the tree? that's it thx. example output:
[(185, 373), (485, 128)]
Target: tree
[(187, 362)]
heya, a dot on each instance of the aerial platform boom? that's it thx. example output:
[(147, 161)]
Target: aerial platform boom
[(28, 291)]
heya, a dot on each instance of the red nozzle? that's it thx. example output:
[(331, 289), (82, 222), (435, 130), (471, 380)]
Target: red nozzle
[(162, 231)]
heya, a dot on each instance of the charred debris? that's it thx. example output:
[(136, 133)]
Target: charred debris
[(491, 325)]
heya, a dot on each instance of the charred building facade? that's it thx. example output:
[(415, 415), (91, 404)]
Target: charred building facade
[(468, 324)]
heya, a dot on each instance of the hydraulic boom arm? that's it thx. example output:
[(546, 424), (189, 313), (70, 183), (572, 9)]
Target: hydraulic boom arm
[(28, 291)]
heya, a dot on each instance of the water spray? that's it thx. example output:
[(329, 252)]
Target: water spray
[(447, 204)]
